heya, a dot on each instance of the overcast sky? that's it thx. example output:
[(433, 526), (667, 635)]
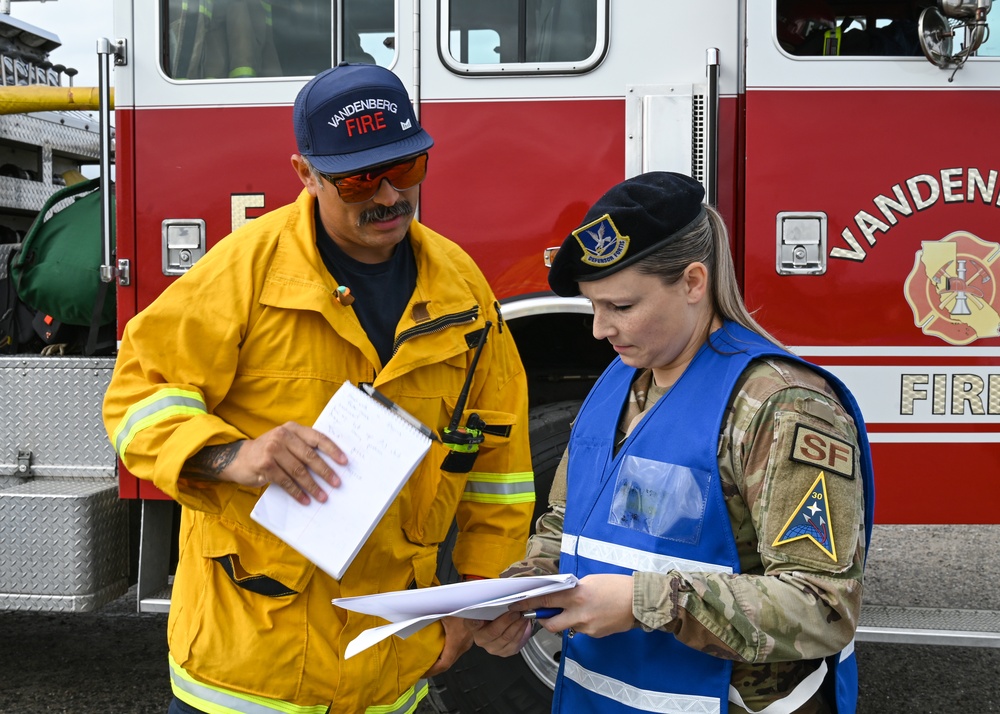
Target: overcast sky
[(78, 24)]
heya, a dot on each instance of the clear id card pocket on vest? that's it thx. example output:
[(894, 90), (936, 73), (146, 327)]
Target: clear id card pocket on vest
[(661, 499)]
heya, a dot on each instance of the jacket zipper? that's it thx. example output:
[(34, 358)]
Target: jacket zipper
[(436, 325)]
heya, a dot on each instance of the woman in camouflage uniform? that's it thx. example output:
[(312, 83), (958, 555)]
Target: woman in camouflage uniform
[(715, 499)]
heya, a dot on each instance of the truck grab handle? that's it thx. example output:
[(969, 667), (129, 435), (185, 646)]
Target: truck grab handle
[(105, 50), (712, 126)]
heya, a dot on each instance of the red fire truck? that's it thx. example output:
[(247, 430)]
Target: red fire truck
[(839, 139)]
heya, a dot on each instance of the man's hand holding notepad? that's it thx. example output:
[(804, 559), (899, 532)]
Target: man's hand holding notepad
[(383, 448)]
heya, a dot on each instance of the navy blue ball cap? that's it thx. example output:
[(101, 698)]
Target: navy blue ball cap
[(630, 221), (355, 116)]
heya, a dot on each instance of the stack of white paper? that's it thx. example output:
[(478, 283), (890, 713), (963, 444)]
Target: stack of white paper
[(411, 610), (382, 451)]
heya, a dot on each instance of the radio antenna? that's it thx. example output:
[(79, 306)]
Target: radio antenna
[(463, 396)]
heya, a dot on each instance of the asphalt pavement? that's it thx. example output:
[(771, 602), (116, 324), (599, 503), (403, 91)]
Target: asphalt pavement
[(113, 661)]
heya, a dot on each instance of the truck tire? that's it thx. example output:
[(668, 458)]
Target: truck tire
[(522, 684)]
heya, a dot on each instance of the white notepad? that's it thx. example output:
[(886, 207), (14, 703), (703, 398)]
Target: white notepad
[(382, 449)]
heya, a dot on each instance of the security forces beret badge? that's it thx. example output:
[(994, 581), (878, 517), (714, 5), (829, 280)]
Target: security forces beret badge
[(601, 242)]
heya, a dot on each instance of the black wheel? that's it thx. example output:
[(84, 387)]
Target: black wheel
[(480, 682)]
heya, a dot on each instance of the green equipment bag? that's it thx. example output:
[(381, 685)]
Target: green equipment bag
[(57, 270)]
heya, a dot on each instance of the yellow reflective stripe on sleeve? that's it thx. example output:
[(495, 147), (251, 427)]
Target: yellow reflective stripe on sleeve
[(216, 700), (242, 72), (407, 702), (500, 488), (154, 409)]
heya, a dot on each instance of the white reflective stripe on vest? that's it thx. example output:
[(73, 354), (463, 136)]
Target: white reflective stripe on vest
[(633, 559), (215, 700), (847, 651), (791, 701), (641, 699)]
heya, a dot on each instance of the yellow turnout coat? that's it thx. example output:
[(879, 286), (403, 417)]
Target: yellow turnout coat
[(250, 338)]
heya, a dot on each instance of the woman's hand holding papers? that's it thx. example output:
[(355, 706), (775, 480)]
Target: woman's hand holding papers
[(598, 606), (504, 636)]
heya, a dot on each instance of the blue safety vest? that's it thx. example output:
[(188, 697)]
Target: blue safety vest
[(610, 518)]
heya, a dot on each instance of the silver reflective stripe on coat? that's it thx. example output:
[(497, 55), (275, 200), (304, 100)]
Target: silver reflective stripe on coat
[(154, 409), (500, 488), (407, 702), (218, 700), (641, 699), (633, 559)]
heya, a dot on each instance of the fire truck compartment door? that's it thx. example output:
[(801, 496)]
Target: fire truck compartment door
[(665, 129)]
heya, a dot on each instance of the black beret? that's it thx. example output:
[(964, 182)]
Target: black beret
[(627, 223)]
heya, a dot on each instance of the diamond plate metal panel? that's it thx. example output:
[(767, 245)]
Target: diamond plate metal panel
[(66, 133), (5, 250), (63, 140), (25, 195), (53, 407), (64, 544)]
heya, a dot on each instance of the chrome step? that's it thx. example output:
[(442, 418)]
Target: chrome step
[(929, 626)]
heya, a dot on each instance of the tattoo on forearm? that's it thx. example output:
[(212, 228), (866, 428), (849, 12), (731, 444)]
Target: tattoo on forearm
[(211, 460)]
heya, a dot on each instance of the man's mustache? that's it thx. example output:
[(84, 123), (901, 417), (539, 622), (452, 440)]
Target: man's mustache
[(402, 207)]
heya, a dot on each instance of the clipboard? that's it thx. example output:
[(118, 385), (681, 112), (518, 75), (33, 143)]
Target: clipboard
[(383, 449)]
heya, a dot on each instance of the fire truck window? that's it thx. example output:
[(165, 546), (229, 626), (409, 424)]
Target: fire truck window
[(522, 31), (245, 39), (832, 28), (369, 31), (991, 47)]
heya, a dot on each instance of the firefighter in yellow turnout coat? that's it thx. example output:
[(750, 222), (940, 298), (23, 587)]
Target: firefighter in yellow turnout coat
[(252, 339)]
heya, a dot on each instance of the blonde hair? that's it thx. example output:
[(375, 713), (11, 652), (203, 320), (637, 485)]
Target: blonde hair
[(706, 242)]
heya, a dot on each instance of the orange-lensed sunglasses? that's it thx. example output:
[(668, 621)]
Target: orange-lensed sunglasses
[(363, 186)]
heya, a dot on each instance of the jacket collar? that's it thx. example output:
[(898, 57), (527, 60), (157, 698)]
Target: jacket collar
[(297, 279)]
